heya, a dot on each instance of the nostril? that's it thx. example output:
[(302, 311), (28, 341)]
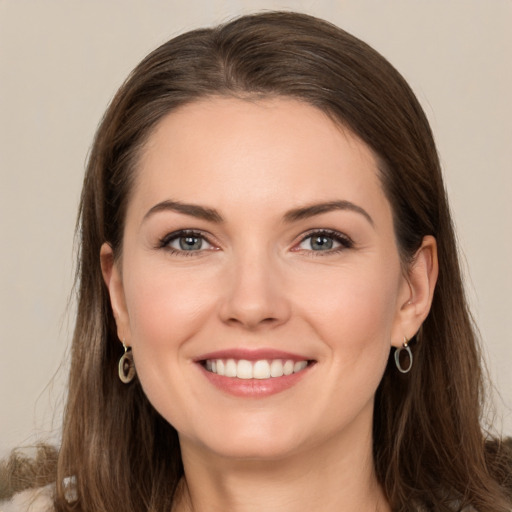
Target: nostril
[(252, 320), (254, 307)]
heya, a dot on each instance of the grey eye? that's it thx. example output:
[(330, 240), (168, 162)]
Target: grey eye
[(190, 243), (186, 242), (325, 241), (321, 242)]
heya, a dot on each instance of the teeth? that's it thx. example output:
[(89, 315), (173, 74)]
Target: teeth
[(230, 367), (287, 367), (244, 369), (299, 365), (261, 369), (276, 368)]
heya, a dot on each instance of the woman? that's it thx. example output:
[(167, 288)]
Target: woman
[(271, 313)]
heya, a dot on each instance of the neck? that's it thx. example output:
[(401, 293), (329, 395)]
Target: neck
[(337, 476)]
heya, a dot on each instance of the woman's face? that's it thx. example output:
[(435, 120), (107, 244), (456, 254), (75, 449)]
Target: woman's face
[(258, 242)]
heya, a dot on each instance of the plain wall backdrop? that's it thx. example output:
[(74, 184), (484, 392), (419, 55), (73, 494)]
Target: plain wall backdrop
[(61, 62)]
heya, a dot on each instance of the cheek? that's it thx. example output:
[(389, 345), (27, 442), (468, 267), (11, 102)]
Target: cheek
[(354, 316), (360, 299), (165, 305), (166, 309), (354, 319)]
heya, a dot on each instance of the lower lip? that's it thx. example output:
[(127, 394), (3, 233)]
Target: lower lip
[(254, 388)]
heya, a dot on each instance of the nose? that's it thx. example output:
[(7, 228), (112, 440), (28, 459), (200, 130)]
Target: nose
[(255, 294)]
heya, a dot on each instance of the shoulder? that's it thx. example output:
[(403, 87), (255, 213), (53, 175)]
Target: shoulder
[(30, 500)]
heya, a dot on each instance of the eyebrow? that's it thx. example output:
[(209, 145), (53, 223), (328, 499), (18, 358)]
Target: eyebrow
[(212, 215), (319, 208), (193, 210)]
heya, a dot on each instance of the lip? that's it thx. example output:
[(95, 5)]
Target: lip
[(251, 355), (253, 388)]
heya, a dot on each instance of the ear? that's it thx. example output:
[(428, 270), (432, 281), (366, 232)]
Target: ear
[(417, 292), (113, 279)]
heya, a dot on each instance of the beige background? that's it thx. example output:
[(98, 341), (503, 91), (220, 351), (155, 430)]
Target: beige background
[(62, 60)]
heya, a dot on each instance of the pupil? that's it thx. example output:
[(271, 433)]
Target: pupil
[(188, 243), (321, 242)]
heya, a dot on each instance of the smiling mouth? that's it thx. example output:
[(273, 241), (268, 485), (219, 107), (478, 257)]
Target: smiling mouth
[(260, 369)]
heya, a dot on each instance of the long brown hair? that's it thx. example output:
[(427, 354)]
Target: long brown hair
[(429, 447)]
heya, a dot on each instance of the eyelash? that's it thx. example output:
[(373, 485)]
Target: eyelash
[(344, 241), (167, 239)]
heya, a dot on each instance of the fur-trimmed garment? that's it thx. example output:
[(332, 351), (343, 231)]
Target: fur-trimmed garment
[(41, 500), (30, 500)]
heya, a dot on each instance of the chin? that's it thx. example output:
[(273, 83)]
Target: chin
[(249, 448), (256, 440)]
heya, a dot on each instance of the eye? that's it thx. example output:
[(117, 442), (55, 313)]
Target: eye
[(325, 241), (185, 241)]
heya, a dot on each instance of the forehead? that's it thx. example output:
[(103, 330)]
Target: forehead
[(254, 152)]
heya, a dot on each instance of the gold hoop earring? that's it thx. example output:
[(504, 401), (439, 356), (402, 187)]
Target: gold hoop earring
[(398, 351), (126, 366)]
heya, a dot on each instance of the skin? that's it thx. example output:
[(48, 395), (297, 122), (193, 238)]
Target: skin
[(258, 282)]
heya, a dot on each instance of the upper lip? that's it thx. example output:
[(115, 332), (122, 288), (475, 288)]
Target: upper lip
[(252, 355)]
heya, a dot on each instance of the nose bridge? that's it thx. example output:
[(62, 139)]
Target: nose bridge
[(255, 294)]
